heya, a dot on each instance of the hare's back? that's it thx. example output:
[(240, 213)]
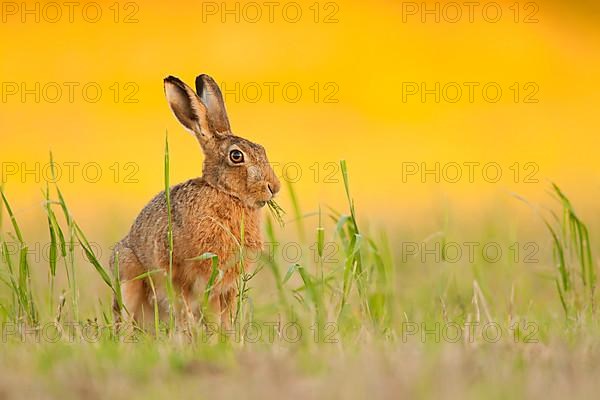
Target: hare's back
[(148, 236)]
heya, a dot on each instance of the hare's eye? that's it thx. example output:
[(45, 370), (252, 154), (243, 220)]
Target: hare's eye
[(236, 156)]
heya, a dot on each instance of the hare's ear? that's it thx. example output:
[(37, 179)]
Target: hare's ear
[(211, 97), (188, 108)]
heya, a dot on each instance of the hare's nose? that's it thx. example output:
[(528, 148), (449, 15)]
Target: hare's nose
[(273, 189)]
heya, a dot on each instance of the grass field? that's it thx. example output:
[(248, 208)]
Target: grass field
[(495, 308), (440, 262)]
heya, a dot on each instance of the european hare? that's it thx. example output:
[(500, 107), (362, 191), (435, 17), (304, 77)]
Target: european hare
[(208, 213)]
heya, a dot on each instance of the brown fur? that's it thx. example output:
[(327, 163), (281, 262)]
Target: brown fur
[(207, 214)]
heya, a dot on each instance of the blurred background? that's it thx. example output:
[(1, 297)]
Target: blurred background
[(435, 105)]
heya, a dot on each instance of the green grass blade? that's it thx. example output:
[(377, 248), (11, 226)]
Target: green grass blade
[(92, 257), (11, 215), (297, 210), (274, 267), (117, 283), (212, 280), (276, 211), (53, 250), (24, 278), (167, 179)]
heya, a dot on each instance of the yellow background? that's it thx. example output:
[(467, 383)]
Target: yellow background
[(368, 53)]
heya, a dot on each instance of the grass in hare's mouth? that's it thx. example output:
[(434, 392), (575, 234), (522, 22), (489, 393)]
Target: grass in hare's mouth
[(276, 211), (344, 312)]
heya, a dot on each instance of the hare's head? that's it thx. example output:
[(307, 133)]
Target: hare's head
[(232, 164)]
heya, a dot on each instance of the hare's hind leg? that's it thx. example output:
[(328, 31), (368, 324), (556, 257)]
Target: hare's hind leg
[(134, 293)]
